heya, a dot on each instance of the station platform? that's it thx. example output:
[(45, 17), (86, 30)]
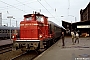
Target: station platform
[(79, 51), (5, 42)]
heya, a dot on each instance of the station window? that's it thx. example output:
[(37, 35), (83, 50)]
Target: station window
[(4, 31), (0, 31), (8, 31), (11, 31)]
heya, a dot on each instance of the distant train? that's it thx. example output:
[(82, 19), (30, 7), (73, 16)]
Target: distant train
[(37, 33), (5, 32)]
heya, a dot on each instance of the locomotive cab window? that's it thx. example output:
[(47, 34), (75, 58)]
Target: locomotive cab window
[(39, 18), (28, 18)]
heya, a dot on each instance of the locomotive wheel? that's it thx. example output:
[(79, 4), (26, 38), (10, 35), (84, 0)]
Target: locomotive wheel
[(49, 43), (23, 48), (53, 41)]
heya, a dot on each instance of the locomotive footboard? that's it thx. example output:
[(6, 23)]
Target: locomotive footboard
[(26, 44)]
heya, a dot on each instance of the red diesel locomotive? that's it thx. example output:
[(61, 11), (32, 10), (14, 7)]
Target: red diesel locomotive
[(37, 33)]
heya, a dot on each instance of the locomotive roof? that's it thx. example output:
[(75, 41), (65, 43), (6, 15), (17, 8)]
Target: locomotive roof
[(35, 14), (32, 14), (6, 27)]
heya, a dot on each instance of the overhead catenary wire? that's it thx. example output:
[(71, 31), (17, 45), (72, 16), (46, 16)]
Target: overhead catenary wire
[(25, 4), (17, 5), (52, 8), (45, 8), (12, 6), (48, 3)]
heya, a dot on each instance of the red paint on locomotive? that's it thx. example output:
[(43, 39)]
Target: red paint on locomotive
[(37, 33), (34, 29)]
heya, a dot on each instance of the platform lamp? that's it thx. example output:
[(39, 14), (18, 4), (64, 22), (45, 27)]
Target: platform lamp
[(71, 26), (71, 21), (10, 17)]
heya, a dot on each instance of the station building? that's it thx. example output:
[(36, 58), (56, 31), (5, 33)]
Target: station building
[(83, 27)]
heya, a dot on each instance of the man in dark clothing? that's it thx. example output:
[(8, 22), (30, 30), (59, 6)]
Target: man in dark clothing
[(63, 44)]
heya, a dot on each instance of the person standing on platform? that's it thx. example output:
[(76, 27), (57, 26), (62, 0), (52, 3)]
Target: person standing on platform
[(77, 38), (63, 43), (73, 36)]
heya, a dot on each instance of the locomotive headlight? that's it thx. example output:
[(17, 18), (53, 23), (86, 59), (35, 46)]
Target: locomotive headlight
[(40, 36), (12, 36)]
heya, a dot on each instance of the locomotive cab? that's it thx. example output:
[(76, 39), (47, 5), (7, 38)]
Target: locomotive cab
[(32, 27)]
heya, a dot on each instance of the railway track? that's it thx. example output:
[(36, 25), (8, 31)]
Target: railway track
[(5, 48), (26, 56)]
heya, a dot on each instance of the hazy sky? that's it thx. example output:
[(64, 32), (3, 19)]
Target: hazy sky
[(54, 9)]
